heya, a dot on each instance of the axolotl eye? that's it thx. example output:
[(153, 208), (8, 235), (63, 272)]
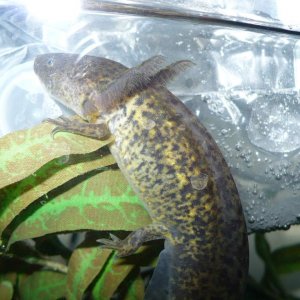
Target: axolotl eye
[(50, 62)]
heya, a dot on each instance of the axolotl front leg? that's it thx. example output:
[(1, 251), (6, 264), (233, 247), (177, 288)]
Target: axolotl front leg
[(92, 130)]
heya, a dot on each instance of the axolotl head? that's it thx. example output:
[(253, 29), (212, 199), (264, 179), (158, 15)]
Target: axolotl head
[(93, 85), (54, 71), (73, 79)]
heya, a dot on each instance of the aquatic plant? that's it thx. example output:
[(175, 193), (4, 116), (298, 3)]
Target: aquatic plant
[(71, 184)]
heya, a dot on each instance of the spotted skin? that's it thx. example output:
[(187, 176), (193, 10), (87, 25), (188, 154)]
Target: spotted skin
[(178, 171)]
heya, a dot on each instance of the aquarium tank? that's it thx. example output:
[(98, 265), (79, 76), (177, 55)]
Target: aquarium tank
[(60, 193)]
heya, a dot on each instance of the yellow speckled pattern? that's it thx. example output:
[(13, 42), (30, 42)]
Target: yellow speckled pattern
[(208, 232), (176, 168)]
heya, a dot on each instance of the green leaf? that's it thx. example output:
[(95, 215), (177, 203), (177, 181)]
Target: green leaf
[(256, 291), (136, 289), (84, 266), (20, 195), (7, 275), (287, 259), (113, 274), (50, 245), (119, 275), (262, 247), (270, 279), (45, 285), (6, 290), (23, 152), (101, 202)]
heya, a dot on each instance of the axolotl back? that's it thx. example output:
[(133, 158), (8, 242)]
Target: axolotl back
[(172, 163)]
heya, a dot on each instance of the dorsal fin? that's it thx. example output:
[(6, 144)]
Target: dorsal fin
[(169, 73), (130, 82), (137, 79)]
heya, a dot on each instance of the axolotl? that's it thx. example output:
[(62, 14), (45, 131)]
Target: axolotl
[(170, 160)]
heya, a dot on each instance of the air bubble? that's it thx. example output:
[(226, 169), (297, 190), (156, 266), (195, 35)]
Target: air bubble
[(223, 131), (254, 191), (247, 159), (63, 160), (251, 220), (126, 158), (2, 246), (149, 124), (286, 227), (118, 142), (181, 127), (199, 182)]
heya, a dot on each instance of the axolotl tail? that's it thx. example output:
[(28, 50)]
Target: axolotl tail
[(183, 278)]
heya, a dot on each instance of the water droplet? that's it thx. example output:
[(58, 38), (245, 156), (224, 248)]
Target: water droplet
[(149, 124), (199, 182)]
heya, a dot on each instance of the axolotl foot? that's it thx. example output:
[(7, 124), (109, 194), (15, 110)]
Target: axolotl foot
[(135, 239), (97, 131), (123, 247)]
